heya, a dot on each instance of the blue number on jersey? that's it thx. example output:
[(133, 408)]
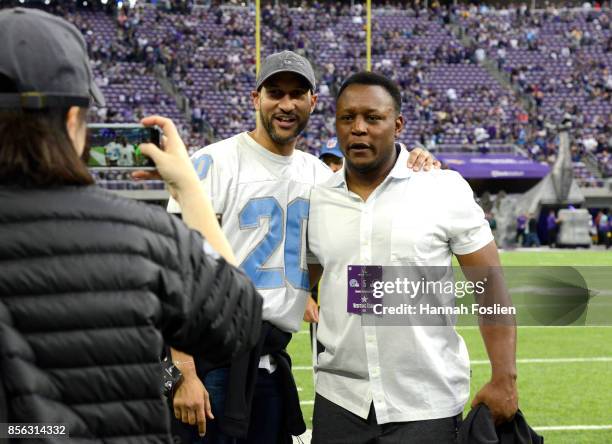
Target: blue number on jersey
[(297, 214), (202, 164), (250, 217)]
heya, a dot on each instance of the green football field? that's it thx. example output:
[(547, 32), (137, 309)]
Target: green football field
[(564, 373), (97, 156)]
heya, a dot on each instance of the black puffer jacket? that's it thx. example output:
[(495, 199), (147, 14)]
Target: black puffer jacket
[(91, 286)]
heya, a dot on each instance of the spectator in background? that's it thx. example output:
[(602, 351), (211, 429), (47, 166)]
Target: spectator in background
[(481, 136), (609, 233), (551, 228), (603, 227), (331, 155), (521, 225), (590, 143), (532, 232), (481, 55), (490, 217), (196, 118), (501, 58)]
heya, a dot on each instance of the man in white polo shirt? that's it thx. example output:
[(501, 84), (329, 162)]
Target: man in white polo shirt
[(395, 384)]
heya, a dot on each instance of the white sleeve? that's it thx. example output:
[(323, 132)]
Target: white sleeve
[(209, 177), (468, 230)]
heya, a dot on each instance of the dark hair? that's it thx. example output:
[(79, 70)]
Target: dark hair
[(35, 149), (331, 157), (371, 78)]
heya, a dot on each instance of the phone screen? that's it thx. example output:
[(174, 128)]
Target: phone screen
[(116, 146)]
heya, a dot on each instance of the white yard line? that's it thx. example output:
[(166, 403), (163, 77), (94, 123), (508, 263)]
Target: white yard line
[(475, 327), (307, 436), (519, 361), (549, 360), (557, 291), (573, 427)]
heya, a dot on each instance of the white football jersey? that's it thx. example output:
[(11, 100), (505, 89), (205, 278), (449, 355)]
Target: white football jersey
[(263, 200)]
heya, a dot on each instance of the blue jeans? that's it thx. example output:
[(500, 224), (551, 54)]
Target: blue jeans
[(266, 410)]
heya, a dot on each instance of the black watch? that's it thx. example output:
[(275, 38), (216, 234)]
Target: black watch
[(172, 376)]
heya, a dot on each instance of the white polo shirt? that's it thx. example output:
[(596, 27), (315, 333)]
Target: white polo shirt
[(409, 373)]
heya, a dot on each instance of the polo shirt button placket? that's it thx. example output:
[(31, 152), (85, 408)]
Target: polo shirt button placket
[(366, 233), (377, 395), (371, 346)]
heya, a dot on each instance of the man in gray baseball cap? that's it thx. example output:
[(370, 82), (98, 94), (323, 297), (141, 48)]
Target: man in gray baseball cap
[(45, 58), (251, 176)]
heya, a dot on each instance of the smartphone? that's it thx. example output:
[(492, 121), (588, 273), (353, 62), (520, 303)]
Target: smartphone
[(116, 145)]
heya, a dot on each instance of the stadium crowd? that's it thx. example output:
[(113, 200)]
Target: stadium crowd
[(560, 59), (205, 56)]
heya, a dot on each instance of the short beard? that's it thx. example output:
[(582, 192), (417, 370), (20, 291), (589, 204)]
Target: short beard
[(269, 127)]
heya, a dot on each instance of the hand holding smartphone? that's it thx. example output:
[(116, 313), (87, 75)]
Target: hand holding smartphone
[(117, 146), (138, 149), (173, 163)]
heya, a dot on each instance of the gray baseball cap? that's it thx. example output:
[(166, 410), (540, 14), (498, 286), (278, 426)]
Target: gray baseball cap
[(46, 58), (285, 61)]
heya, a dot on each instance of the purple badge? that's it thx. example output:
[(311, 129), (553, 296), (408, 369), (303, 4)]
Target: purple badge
[(360, 293)]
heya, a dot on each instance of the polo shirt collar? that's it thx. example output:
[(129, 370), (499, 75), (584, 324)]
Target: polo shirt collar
[(399, 171)]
